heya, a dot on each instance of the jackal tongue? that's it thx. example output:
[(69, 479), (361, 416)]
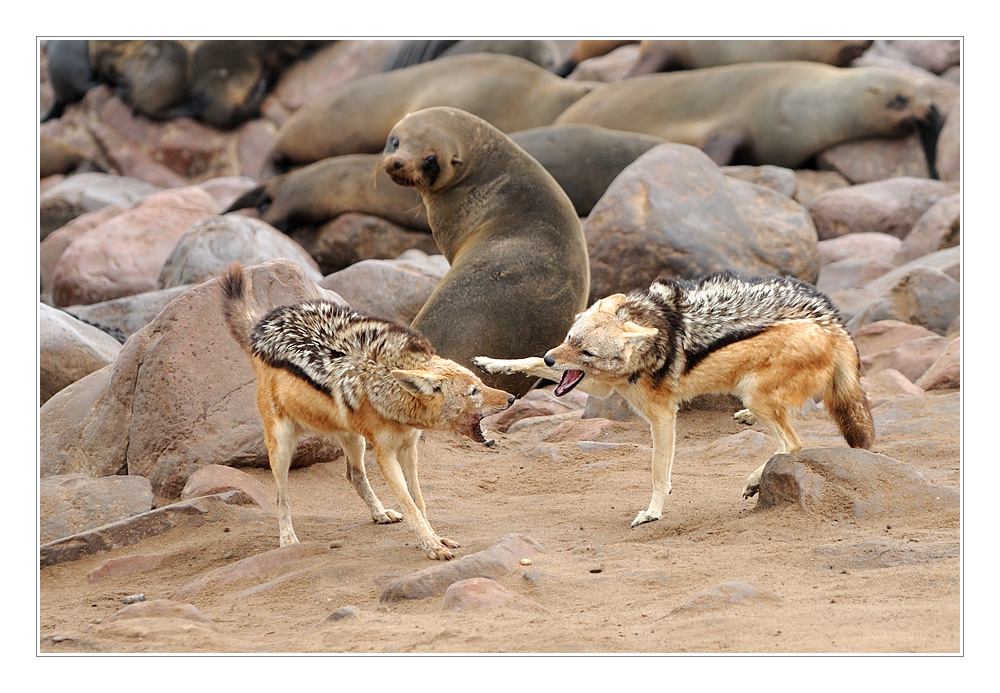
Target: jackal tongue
[(570, 379)]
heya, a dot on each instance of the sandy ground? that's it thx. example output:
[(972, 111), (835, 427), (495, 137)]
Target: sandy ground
[(817, 584)]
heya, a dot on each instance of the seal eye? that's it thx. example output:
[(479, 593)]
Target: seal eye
[(392, 145), (430, 160), (898, 103)]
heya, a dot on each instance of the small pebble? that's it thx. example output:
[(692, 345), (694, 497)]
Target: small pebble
[(133, 598), (525, 561)]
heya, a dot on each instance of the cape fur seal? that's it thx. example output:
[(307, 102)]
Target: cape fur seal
[(780, 113), (585, 49), (665, 56), (509, 92), (583, 159), (519, 267)]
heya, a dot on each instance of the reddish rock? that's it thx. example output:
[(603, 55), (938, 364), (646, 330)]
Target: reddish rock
[(938, 228), (887, 385), (54, 245), (353, 237), (854, 272), (87, 192), (871, 244), (124, 255), (946, 372), (217, 478), (911, 358), (500, 558), (161, 608), (481, 594), (886, 206), (125, 565), (582, 429)]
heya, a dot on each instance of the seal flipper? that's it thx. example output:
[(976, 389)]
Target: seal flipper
[(929, 127), (724, 147)]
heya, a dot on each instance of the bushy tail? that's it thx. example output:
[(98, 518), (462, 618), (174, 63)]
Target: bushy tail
[(846, 400), (240, 316)]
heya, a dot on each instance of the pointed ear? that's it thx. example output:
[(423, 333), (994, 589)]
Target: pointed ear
[(610, 304), (635, 328), (418, 382)]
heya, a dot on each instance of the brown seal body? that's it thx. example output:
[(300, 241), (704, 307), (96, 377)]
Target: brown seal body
[(541, 53), (519, 268), (585, 49), (665, 56), (761, 113), (353, 118)]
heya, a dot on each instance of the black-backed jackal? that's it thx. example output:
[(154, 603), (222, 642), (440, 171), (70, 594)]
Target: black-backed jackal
[(322, 368), (772, 341)]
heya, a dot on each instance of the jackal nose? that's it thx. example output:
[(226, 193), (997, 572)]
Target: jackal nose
[(510, 399), (549, 361)]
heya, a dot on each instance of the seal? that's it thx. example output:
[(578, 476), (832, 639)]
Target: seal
[(355, 118), (229, 79), (583, 159), (666, 56), (150, 76), (519, 267), (780, 113), (315, 194)]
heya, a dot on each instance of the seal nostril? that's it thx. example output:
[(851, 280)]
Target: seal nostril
[(397, 164)]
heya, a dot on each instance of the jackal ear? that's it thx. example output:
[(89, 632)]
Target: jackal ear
[(418, 382), (610, 303), (635, 329)]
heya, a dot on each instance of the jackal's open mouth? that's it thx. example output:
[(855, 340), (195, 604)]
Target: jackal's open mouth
[(570, 379), (475, 430)]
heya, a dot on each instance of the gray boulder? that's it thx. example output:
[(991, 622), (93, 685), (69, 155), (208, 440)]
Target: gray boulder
[(86, 192), (69, 349), (75, 503), (674, 213)]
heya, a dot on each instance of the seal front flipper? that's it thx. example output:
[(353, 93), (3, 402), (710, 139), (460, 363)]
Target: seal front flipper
[(725, 148), (929, 129)]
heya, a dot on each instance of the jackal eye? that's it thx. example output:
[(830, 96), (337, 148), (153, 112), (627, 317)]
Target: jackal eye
[(587, 352), (475, 391)]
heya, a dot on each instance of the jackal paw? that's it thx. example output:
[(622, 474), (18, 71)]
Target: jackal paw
[(287, 538), (387, 517), (492, 365), (644, 517), (450, 543), (745, 416), (437, 551), (751, 487)]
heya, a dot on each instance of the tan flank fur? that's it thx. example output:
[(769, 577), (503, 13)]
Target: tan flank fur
[(384, 393), (779, 344)]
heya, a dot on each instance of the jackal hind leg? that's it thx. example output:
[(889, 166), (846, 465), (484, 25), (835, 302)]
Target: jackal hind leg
[(281, 438), (774, 417), (354, 449)]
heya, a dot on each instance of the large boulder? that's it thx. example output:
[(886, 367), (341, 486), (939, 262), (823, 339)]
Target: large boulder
[(674, 213)]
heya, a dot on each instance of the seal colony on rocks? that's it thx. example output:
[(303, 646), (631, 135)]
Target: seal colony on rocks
[(519, 267), (509, 92), (781, 113)]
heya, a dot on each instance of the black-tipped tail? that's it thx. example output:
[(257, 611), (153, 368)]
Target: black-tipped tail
[(240, 317)]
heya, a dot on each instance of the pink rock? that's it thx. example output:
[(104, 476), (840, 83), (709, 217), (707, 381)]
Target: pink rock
[(946, 372), (482, 593), (911, 358), (217, 478), (125, 565), (124, 255)]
